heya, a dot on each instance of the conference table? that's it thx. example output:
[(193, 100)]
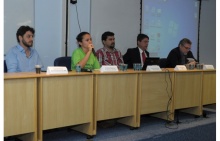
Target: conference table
[(20, 105), (37, 102), (188, 91), (193, 89), (209, 87), (65, 100), (155, 94), (34, 103), (116, 96)]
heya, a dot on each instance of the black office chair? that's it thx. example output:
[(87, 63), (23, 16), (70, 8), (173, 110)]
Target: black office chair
[(162, 62), (63, 61), (5, 67)]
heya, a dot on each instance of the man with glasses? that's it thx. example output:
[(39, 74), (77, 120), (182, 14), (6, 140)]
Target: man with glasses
[(139, 53), (179, 55)]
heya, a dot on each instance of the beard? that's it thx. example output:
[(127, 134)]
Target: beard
[(112, 45), (27, 44)]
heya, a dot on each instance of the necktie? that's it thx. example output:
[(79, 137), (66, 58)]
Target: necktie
[(143, 57)]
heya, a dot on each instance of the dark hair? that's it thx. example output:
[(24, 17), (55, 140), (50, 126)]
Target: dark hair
[(79, 37), (184, 41), (140, 37), (106, 34), (22, 30)]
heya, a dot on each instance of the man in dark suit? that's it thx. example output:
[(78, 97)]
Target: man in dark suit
[(138, 54), (179, 55)]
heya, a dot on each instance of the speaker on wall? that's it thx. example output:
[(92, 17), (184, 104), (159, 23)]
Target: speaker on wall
[(73, 1)]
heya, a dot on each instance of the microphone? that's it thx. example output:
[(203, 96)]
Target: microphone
[(93, 51)]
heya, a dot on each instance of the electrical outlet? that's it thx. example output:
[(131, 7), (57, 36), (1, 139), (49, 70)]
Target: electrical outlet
[(73, 1)]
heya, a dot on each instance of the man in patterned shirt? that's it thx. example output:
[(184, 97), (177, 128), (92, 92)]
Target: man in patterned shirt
[(109, 55)]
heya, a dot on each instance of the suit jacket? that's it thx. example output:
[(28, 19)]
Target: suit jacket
[(174, 58), (133, 56)]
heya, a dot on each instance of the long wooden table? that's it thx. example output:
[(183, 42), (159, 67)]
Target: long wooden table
[(20, 105), (116, 96), (66, 100), (209, 87), (155, 94), (188, 91), (37, 102)]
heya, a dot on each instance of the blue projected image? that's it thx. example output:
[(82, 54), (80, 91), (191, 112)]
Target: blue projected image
[(166, 22)]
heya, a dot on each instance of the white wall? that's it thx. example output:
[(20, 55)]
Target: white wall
[(119, 16), (49, 27), (83, 8), (207, 42), (14, 17)]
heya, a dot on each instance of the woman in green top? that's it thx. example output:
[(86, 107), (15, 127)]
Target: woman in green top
[(84, 55)]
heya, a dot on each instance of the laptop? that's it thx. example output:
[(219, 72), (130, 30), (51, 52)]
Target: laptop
[(151, 61)]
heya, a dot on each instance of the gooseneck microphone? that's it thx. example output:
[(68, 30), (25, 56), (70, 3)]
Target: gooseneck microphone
[(93, 51)]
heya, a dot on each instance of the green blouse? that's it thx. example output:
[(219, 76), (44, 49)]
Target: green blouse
[(78, 55)]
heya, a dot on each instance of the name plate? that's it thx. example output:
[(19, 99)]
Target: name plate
[(106, 68), (57, 70), (180, 68), (153, 68), (208, 67)]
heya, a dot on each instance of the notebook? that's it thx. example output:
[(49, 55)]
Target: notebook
[(151, 61)]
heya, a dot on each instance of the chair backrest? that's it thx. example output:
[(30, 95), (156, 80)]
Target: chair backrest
[(63, 61), (5, 67), (162, 62)]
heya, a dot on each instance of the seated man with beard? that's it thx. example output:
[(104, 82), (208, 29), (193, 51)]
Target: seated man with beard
[(22, 57), (109, 55)]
